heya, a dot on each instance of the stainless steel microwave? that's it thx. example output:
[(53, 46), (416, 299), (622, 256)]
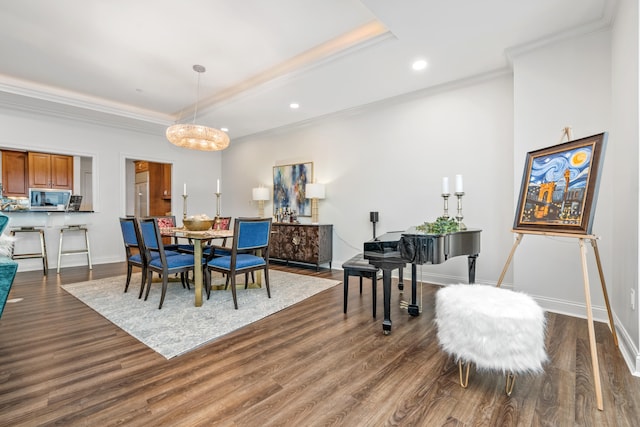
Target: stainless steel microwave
[(43, 199)]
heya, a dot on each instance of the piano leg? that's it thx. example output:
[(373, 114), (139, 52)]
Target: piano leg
[(400, 279), (472, 268), (413, 308), (386, 286)]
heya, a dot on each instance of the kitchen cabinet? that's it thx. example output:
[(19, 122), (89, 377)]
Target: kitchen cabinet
[(15, 179), (159, 194), (166, 181), (50, 171), (142, 166)]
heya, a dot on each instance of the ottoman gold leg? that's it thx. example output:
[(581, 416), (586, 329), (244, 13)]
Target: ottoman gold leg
[(464, 383), (511, 381)]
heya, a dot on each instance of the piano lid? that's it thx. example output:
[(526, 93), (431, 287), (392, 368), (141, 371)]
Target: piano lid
[(384, 246), (418, 247)]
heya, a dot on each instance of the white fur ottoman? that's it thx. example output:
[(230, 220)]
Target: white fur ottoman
[(494, 328)]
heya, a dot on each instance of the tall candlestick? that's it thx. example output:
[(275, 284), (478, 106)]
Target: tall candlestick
[(459, 216), (218, 203), (184, 206), (184, 191), (218, 187), (445, 185), (459, 188)]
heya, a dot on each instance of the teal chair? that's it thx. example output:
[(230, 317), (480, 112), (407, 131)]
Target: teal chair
[(8, 269), (249, 252)]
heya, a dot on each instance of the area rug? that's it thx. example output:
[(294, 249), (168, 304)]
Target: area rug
[(179, 326)]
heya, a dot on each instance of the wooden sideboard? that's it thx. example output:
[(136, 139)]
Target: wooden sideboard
[(302, 243)]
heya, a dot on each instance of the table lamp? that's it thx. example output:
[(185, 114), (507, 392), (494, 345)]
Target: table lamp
[(260, 194), (314, 192)]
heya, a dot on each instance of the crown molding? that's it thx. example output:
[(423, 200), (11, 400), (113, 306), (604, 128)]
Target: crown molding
[(13, 103), (66, 98), (604, 23)]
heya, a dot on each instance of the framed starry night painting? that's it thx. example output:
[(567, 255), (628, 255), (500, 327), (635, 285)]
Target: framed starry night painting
[(560, 187)]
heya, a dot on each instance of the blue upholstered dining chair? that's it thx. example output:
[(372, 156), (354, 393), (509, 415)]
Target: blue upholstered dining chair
[(159, 260), (135, 254), (249, 252)]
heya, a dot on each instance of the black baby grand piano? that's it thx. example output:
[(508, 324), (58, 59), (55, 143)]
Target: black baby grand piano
[(395, 249)]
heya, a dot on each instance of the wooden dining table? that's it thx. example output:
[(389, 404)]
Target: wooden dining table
[(199, 238)]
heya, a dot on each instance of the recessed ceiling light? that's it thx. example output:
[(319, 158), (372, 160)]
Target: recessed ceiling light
[(224, 129), (420, 64), (294, 105)]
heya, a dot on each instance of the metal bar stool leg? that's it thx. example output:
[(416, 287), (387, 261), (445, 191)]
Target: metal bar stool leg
[(86, 239), (43, 249), (60, 249)]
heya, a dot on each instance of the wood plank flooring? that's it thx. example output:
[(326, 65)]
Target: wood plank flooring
[(61, 363)]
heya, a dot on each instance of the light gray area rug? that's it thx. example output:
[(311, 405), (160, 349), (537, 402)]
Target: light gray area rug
[(180, 326)]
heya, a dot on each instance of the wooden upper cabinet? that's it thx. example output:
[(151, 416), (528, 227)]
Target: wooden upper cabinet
[(61, 172), (141, 166), (15, 182), (159, 201), (50, 171), (166, 180), (39, 170)]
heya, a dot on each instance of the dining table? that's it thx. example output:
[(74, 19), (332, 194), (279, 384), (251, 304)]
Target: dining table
[(199, 239)]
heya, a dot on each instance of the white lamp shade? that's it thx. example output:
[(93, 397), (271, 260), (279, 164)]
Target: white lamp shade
[(261, 193), (314, 191)]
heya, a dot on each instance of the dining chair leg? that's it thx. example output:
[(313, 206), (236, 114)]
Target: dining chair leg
[(129, 270), (266, 281), (206, 277), (233, 289), (149, 280), (165, 281), (184, 278), (144, 280)]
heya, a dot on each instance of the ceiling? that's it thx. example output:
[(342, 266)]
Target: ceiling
[(130, 61)]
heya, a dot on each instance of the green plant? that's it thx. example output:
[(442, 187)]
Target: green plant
[(441, 225)]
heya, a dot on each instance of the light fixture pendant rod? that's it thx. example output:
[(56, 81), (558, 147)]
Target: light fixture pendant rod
[(198, 69)]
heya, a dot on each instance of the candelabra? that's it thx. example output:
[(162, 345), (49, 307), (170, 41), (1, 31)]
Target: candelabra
[(218, 194), (459, 216), (184, 206), (445, 196)]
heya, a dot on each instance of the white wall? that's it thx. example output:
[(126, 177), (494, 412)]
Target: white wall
[(391, 158), (109, 148), (625, 112), (565, 84)]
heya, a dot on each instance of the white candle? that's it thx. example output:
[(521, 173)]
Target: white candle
[(459, 184), (445, 185), (185, 189), (218, 187)]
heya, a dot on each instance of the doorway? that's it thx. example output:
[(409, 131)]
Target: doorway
[(148, 188)]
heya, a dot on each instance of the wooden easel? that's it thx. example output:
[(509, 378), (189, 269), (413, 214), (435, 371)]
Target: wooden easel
[(587, 294)]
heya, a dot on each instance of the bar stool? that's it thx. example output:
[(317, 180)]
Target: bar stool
[(43, 246), (85, 250)]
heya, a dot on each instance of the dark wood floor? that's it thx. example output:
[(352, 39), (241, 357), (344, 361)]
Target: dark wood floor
[(309, 365)]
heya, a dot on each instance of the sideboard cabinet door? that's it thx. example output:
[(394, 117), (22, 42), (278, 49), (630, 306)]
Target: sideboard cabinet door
[(302, 243)]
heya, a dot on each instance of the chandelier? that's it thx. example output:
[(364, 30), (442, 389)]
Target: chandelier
[(197, 137)]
